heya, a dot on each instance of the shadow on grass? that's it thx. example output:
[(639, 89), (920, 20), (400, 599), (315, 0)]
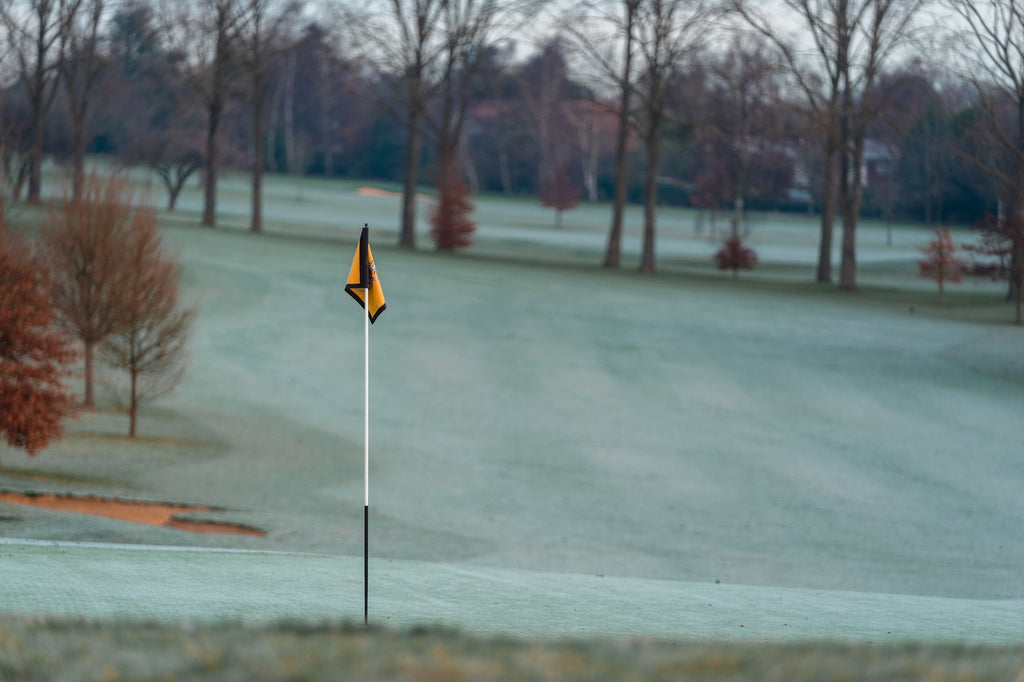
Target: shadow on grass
[(143, 440), (56, 477)]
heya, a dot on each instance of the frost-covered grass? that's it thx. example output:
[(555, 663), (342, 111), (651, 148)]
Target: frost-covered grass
[(533, 412), (141, 582)]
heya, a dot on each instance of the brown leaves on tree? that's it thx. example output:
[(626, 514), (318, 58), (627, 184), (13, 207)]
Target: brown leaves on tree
[(116, 291), (34, 356), (940, 262), (84, 243), (451, 224), (150, 339), (735, 255)]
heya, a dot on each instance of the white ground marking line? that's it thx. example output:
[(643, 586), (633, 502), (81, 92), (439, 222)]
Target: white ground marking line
[(157, 548)]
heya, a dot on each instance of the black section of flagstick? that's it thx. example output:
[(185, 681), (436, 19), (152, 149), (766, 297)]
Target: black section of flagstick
[(366, 564)]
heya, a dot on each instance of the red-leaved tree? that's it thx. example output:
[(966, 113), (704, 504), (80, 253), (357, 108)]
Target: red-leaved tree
[(941, 262), (735, 255), (560, 195), (35, 357), (451, 222)]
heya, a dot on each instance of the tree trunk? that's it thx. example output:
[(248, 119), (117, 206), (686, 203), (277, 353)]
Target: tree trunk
[(407, 237), (212, 162), (590, 165), (848, 265), (468, 168), (326, 142), (737, 216), (545, 160), (844, 207), (78, 177), (89, 401), (274, 159), (828, 207), (173, 189), (613, 252), (256, 219), (651, 193), (35, 170), (1018, 298), (503, 170), (290, 153), (848, 262), (133, 404), (850, 193), (1016, 289)]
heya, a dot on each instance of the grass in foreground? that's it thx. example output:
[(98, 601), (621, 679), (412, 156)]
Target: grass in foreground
[(33, 649)]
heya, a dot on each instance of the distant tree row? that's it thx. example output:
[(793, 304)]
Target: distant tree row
[(828, 106)]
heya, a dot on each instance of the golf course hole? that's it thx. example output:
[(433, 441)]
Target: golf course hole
[(150, 513)]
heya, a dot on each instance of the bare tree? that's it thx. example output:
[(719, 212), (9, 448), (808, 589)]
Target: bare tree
[(174, 154), (743, 122), (167, 134), (151, 339), (619, 71), (406, 37), (433, 50), (851, 41), (81, 63), (84, 242), (817, 74), (204, 33), (470, 28), (990, 49), (542, 86), (879, 27), (33, 31), (670, 33), (613, 252), (585, 117), (165, 131), (262, 38), (658, 38)]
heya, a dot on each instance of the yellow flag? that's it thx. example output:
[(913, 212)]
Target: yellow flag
[(363, 281)]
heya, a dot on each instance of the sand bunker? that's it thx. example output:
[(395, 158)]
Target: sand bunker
[(374, 192), (151, 513)]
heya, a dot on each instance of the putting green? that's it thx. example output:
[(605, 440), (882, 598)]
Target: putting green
[(146, 583)]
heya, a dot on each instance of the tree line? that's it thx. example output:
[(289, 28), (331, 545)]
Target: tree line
[(838, 107)]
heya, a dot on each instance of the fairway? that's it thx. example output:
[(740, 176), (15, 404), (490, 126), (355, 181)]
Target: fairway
[(533, 412)]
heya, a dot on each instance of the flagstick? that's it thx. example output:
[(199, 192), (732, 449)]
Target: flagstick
[(366, 458)]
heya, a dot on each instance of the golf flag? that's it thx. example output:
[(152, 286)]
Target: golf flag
[(363, 280), (363, 284)]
